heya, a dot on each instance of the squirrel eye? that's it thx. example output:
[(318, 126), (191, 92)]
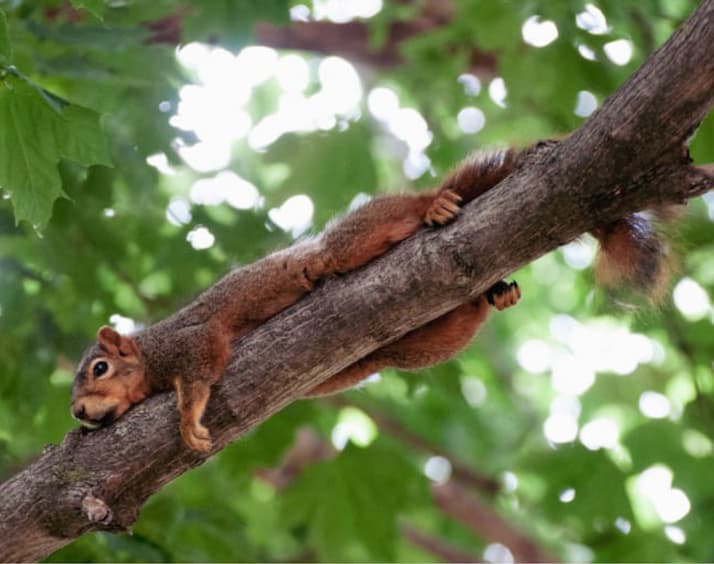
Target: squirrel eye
[(100, 368)]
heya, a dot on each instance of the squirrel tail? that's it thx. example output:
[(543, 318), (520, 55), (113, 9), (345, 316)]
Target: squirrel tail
[(635, 255)]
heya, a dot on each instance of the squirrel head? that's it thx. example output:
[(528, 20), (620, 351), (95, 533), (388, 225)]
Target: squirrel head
[(110, 379)]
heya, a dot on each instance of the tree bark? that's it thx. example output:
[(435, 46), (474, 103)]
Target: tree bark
[(628, 156)]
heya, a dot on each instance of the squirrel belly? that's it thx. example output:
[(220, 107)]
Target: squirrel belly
[(189, 350)]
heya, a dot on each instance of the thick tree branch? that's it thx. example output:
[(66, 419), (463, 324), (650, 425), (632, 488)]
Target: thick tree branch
[(627, 157)]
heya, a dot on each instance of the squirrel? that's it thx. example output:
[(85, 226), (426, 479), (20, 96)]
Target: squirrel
[(189, 350)]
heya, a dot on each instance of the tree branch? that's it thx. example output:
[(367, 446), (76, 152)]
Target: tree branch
[(437, 546), (628, 156), (351, 40), (706, 170), (483, 483), (457, 502), (452, 498)]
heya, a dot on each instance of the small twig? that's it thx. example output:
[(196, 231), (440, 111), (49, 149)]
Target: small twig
[(437, 546), (456, 501), (307, 449), (351, 40), (706, 169), (463, 473)]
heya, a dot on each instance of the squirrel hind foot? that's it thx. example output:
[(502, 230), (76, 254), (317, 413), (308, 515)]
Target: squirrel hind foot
[(503, 294), (443, 209)]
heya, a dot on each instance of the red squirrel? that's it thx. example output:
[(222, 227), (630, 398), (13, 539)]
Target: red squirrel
[(189, 350)]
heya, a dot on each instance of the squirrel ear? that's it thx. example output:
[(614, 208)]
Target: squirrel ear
[(108, 339), (115, 343)]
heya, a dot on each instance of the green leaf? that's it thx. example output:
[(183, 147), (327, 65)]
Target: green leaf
[(33, 138), (498, 23), (232, 21), (80, 137), (589, 474), (28, 165), (90, 37), (354, 500), (95, 7), (5, 47), (702, 146)]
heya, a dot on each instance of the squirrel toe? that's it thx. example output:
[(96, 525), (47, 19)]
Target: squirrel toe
[(196, 437), (443, 209)]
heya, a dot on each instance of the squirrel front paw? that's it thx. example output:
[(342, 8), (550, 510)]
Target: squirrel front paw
[(196, 437), (443, 209), (502, 294)]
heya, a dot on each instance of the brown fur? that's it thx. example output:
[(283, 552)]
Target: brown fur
[(430, 344), (188, 351), (634, 254)]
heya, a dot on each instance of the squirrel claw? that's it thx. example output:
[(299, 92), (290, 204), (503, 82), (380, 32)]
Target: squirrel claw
[(503, 295), (443, 209), (197, 437)]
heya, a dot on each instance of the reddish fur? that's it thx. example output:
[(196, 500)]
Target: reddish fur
[(430, 344), (479, 173), (634, 255), (189, 350)]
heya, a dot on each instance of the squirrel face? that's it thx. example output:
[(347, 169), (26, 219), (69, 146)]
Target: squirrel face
[(110, 379)]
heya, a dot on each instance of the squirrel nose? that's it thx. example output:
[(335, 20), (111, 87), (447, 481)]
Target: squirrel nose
[(79, 412)]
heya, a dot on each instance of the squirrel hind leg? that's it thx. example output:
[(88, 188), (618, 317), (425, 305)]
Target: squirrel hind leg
[(372, 229), (434, 342)]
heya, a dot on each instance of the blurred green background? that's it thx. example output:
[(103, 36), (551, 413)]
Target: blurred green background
[(147, 147)]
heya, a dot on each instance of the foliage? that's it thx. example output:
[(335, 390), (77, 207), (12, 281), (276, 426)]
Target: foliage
[(89, 229)]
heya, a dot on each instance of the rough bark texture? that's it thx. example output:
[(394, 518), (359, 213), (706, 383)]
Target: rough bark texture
[(627, 157)]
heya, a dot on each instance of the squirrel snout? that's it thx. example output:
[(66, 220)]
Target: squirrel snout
[(78, 412)]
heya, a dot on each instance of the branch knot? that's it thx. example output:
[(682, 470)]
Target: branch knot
[(96, 510)]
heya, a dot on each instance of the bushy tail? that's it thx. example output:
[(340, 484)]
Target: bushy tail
[(635, 255)]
